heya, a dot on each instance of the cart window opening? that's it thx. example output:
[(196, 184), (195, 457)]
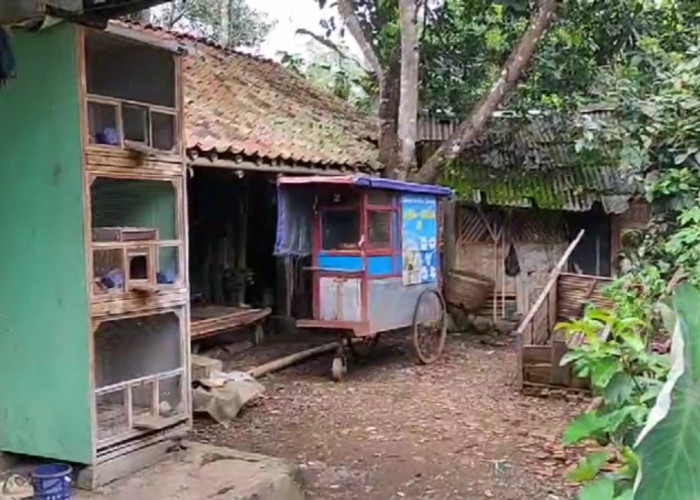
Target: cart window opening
[(341, 230), (379, 234), (380, 198)]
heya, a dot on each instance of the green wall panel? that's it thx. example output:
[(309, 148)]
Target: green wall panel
[(44, 325)]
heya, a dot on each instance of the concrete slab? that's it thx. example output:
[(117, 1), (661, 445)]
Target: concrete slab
[(207, 472)]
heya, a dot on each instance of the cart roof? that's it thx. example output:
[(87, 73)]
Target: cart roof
[(365, 181)]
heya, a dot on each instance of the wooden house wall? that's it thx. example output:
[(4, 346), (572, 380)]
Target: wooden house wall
[(539, 240), (634, 219), (45, 408)]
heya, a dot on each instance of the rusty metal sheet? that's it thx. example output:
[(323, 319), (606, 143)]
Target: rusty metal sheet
[(340, 299), (391, 304)]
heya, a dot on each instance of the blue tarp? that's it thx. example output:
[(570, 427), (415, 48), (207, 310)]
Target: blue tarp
[(403, 186)]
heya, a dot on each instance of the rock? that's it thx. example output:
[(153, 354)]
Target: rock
[(504, 326), (204, 367), (482, 325), (458, 319)]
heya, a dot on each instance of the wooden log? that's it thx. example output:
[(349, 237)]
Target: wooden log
[(279, 364)]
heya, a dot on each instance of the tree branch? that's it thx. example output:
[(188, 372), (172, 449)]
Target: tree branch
[(511, 73), (177, 17), (334, 47), (346, 9)]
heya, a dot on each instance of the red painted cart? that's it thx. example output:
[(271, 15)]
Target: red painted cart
[(374, 248)]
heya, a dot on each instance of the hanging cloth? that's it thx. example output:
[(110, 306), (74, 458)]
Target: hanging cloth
[(512, 265), (7, 58)]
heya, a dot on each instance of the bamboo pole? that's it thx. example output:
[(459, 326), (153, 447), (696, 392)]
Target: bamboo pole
[(279, 364), (503, 279)]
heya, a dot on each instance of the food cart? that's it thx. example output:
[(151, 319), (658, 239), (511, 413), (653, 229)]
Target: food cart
[(375, 263)]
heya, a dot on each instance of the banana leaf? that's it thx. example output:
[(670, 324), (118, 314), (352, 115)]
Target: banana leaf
[(669, 445)]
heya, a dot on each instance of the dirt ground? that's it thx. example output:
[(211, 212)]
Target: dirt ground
[(394, 430)]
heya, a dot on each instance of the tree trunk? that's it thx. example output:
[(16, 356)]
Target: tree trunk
[(511, 73), (388, 80), (408, 111), (225, 35), (389, 95)]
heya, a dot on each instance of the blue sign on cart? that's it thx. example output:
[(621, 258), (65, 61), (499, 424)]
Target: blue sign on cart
[(419, 233)]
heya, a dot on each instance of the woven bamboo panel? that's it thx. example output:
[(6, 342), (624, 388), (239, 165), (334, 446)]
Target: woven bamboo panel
[(577, 290), (515, 226)]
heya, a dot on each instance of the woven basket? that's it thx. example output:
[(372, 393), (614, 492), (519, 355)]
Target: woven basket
[(467, 290)]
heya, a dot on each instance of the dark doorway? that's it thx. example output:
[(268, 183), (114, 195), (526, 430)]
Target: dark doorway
[(592, 255)]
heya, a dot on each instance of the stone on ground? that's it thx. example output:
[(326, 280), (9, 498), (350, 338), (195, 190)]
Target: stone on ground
[(208, 472)]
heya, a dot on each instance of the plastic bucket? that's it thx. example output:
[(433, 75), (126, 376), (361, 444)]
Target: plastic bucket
[(52, 482)]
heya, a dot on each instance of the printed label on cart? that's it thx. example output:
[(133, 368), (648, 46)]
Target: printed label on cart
[(419, 239)]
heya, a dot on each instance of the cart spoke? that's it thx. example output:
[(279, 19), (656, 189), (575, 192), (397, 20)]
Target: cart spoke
[(429, 328)]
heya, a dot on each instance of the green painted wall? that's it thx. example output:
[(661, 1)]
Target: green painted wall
[(44, 332)]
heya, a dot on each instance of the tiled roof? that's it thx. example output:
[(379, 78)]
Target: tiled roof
[(240, 105), (523, 162)]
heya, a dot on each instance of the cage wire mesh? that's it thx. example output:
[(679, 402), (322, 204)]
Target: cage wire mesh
[(140, 352)]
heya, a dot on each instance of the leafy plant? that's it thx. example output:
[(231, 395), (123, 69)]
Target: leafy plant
[(669, 445), (613, 353)]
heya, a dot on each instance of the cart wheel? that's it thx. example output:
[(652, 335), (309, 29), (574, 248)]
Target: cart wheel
[(339, 368), (362, 349), (258, 334), (429, 326)]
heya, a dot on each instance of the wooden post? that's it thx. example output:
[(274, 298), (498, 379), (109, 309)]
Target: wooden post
[(242, 241), (450, 225)]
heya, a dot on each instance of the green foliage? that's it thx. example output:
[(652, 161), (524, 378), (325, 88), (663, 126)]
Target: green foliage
[(334, 72), (602, 489), (627, 377), (464, 43), (245, 26), (669, 446), (589, 467)]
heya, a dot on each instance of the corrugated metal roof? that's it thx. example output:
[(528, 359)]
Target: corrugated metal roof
[(530, 161)]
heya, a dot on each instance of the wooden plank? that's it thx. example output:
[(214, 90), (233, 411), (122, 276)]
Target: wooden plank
[(560, 375), (133, 302), (146, 37), (551, 282), (536, 354), (206, 327), (121, 466), (537, 374)]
